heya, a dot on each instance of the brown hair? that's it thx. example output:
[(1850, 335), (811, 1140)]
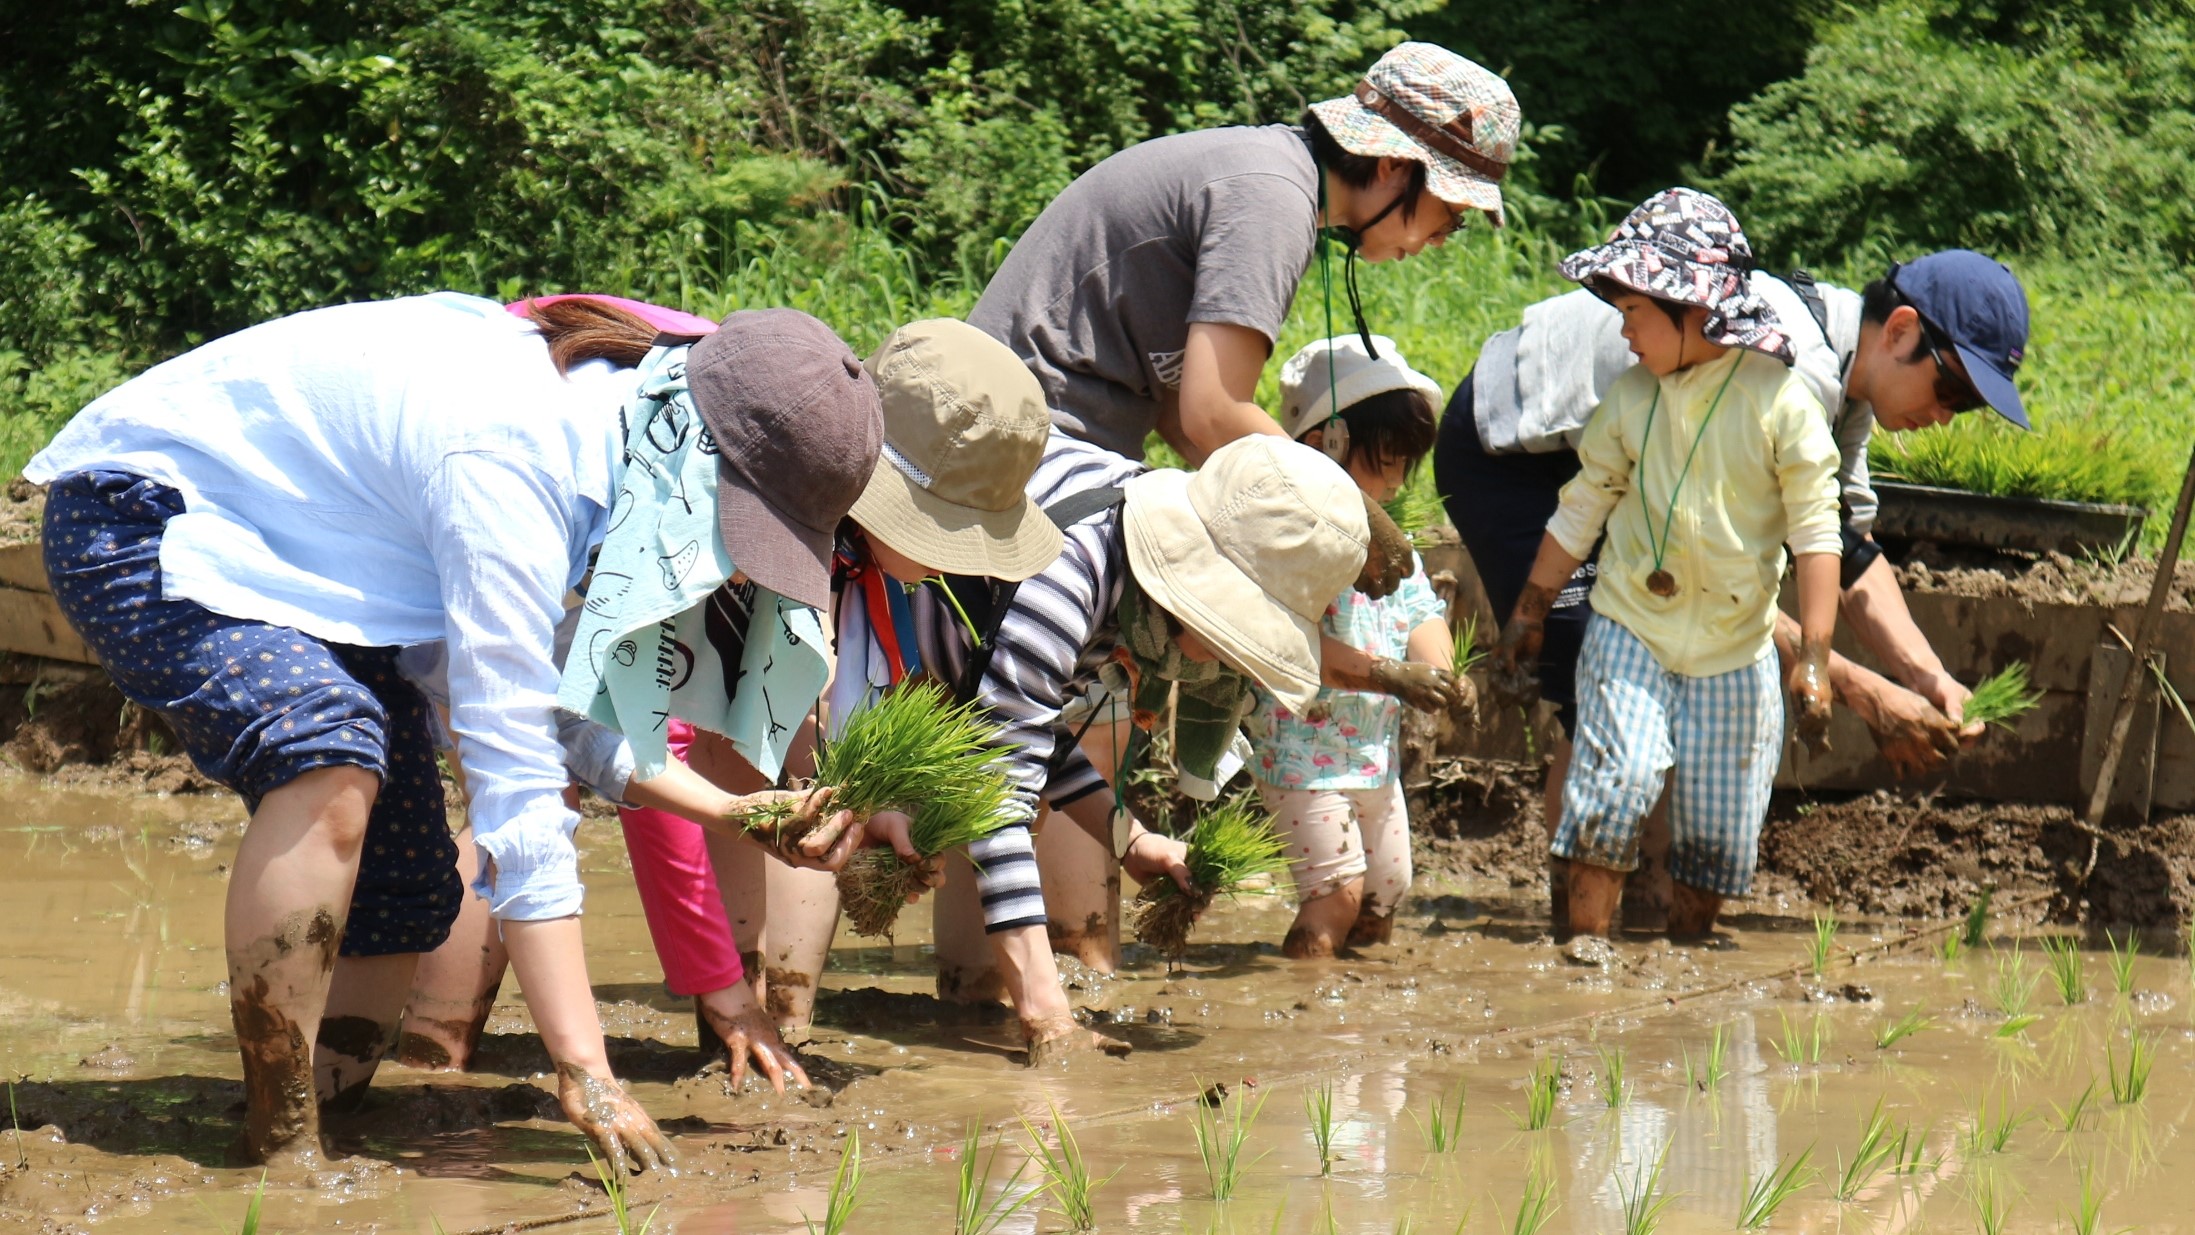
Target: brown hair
[(1391, 425), (578, 331)]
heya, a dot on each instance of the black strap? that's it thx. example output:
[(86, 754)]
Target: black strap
[(997, 595), (1803, 283)]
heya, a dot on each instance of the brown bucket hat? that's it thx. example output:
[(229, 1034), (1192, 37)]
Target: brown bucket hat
[(964, 428), (797, 424)]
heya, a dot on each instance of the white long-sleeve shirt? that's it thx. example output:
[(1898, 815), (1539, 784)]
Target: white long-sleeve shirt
[(391, 474)]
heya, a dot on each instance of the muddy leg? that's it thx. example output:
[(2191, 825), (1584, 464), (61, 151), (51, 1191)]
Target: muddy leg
[(1692, 912), (287, 899), (1323, 922), (1081, 891), (1594, 892), (454, 987), (1558, 869), (803, 920), (967, 965), (1031, 976), (366, 999), (1646, 891)]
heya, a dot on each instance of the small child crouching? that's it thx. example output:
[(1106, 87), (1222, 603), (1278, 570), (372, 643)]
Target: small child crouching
[(1330, 776), (1700, 465)]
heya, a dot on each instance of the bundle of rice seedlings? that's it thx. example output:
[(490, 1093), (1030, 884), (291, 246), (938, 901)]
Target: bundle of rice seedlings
[(2000, 699), (1416, 507), (1230, 844), (1467, 654), (916, 752)]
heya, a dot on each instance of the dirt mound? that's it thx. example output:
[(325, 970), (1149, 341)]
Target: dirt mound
[(2052, 578), (84, 734), (22, 509), (1917, 858), (1480, 819)]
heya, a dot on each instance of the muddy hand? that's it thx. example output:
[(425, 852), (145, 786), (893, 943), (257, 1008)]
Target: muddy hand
[(747, 1029), (1463, 708), (1810, 695), (1388, 558), (621, 1131), (1152, 856), (1514, 669), (812, 836), (1057, 1037), (1913, 736), (891, 827), (1427, 688)]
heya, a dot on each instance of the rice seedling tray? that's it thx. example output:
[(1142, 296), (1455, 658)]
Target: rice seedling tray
[(1988, 521)]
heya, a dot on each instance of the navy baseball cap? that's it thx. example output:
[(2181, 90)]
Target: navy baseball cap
[(1978, 304)]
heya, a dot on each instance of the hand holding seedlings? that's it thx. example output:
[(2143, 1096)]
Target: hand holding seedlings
[(1913, 735), (1232, 843), (799, 826), (2003, 698)]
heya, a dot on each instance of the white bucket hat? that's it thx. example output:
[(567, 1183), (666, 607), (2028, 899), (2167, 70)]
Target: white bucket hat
[(1248, 551), (1424, 102), (1339, 369)]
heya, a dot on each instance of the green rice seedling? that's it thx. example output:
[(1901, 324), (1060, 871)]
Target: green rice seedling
[(1910, 1155), (1803, 1047), (2003, 698), (1615, 1089), (2128, 1086), (1536, 1206), (1874, 1152), (2088, 1218), (1644, 1200), (1318, 1108), (1904, 1027), (1992, 1127), (1231, 844), (972, 1213), (2067, 1118), (913, 750), (250, 1224), (1952, 947), (2122, 961), (838, 1204), (1066, 1173), (1416, 507), (1822, 946), (1466, 654), (1992, 1199), (1977, 919), (1540, 1092), (2013, 989), (1443, 1126), (613, 1187), (2066, 973), (1714, 1069), (1769, 1193), (1220, 1141)]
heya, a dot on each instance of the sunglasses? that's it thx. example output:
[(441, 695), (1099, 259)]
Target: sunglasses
[(1953, 392)]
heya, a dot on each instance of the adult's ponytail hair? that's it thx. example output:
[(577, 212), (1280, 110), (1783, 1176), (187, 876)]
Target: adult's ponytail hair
[(579, 329)]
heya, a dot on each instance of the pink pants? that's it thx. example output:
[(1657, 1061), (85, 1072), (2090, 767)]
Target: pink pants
[(678, 893), (1335, 835)]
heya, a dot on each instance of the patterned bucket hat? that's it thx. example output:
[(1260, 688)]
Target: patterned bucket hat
[(1426, 103), (1685, 246)]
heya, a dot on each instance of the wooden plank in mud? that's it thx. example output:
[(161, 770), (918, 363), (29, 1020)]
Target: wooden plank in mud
[(24, 566), (31, 624)]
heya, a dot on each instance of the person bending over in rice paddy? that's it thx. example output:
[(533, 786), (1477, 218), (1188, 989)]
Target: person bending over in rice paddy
[(1701, 465), (250, 534), (1331, 775), (1148, 294)]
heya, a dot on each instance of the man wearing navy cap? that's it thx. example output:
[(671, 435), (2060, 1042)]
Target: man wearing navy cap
[(1934, 337)]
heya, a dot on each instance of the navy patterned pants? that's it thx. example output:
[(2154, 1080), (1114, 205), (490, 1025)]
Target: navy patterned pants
[(257, 706)]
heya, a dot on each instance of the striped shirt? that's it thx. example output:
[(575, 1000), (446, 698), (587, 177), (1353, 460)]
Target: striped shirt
[(1058, 630)]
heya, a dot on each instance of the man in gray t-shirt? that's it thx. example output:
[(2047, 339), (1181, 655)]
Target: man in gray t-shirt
[(1148, 295), (1098, 298)]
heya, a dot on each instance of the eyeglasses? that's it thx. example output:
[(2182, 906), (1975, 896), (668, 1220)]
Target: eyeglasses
[(1456, 219), (1953, 392)]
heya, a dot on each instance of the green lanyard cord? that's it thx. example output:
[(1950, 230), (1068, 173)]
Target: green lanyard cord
[(1661, 546)]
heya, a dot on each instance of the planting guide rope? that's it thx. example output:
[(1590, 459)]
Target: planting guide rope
[(1640, 1010)]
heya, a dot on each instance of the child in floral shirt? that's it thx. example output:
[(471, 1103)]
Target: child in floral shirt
[(1330, 776)]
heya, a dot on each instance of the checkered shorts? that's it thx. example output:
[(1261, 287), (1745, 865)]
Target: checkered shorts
[(1722, 735)]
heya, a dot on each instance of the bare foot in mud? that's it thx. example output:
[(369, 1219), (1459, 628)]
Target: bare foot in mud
[(1371, 929), (1308, 943), (1591, 951), (1063, 1037)]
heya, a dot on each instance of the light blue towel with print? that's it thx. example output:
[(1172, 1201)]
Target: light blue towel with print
[(659, 629)]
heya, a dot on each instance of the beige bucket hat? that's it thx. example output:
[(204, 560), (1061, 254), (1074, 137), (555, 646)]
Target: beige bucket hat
[(1248, 551), (964, 428), (1422, 101)]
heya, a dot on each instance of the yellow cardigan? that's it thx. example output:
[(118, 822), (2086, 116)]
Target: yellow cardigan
[(1765, 476)]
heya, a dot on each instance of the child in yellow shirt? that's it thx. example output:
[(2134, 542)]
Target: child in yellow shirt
[(1699, 467)]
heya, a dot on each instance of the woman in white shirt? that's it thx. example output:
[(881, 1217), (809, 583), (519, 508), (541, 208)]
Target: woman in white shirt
[(248, 533)]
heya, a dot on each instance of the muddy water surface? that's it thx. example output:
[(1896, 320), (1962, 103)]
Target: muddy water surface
[(114, 1024)]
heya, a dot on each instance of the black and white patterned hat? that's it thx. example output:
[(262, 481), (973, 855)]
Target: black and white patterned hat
[(1685, 246)]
